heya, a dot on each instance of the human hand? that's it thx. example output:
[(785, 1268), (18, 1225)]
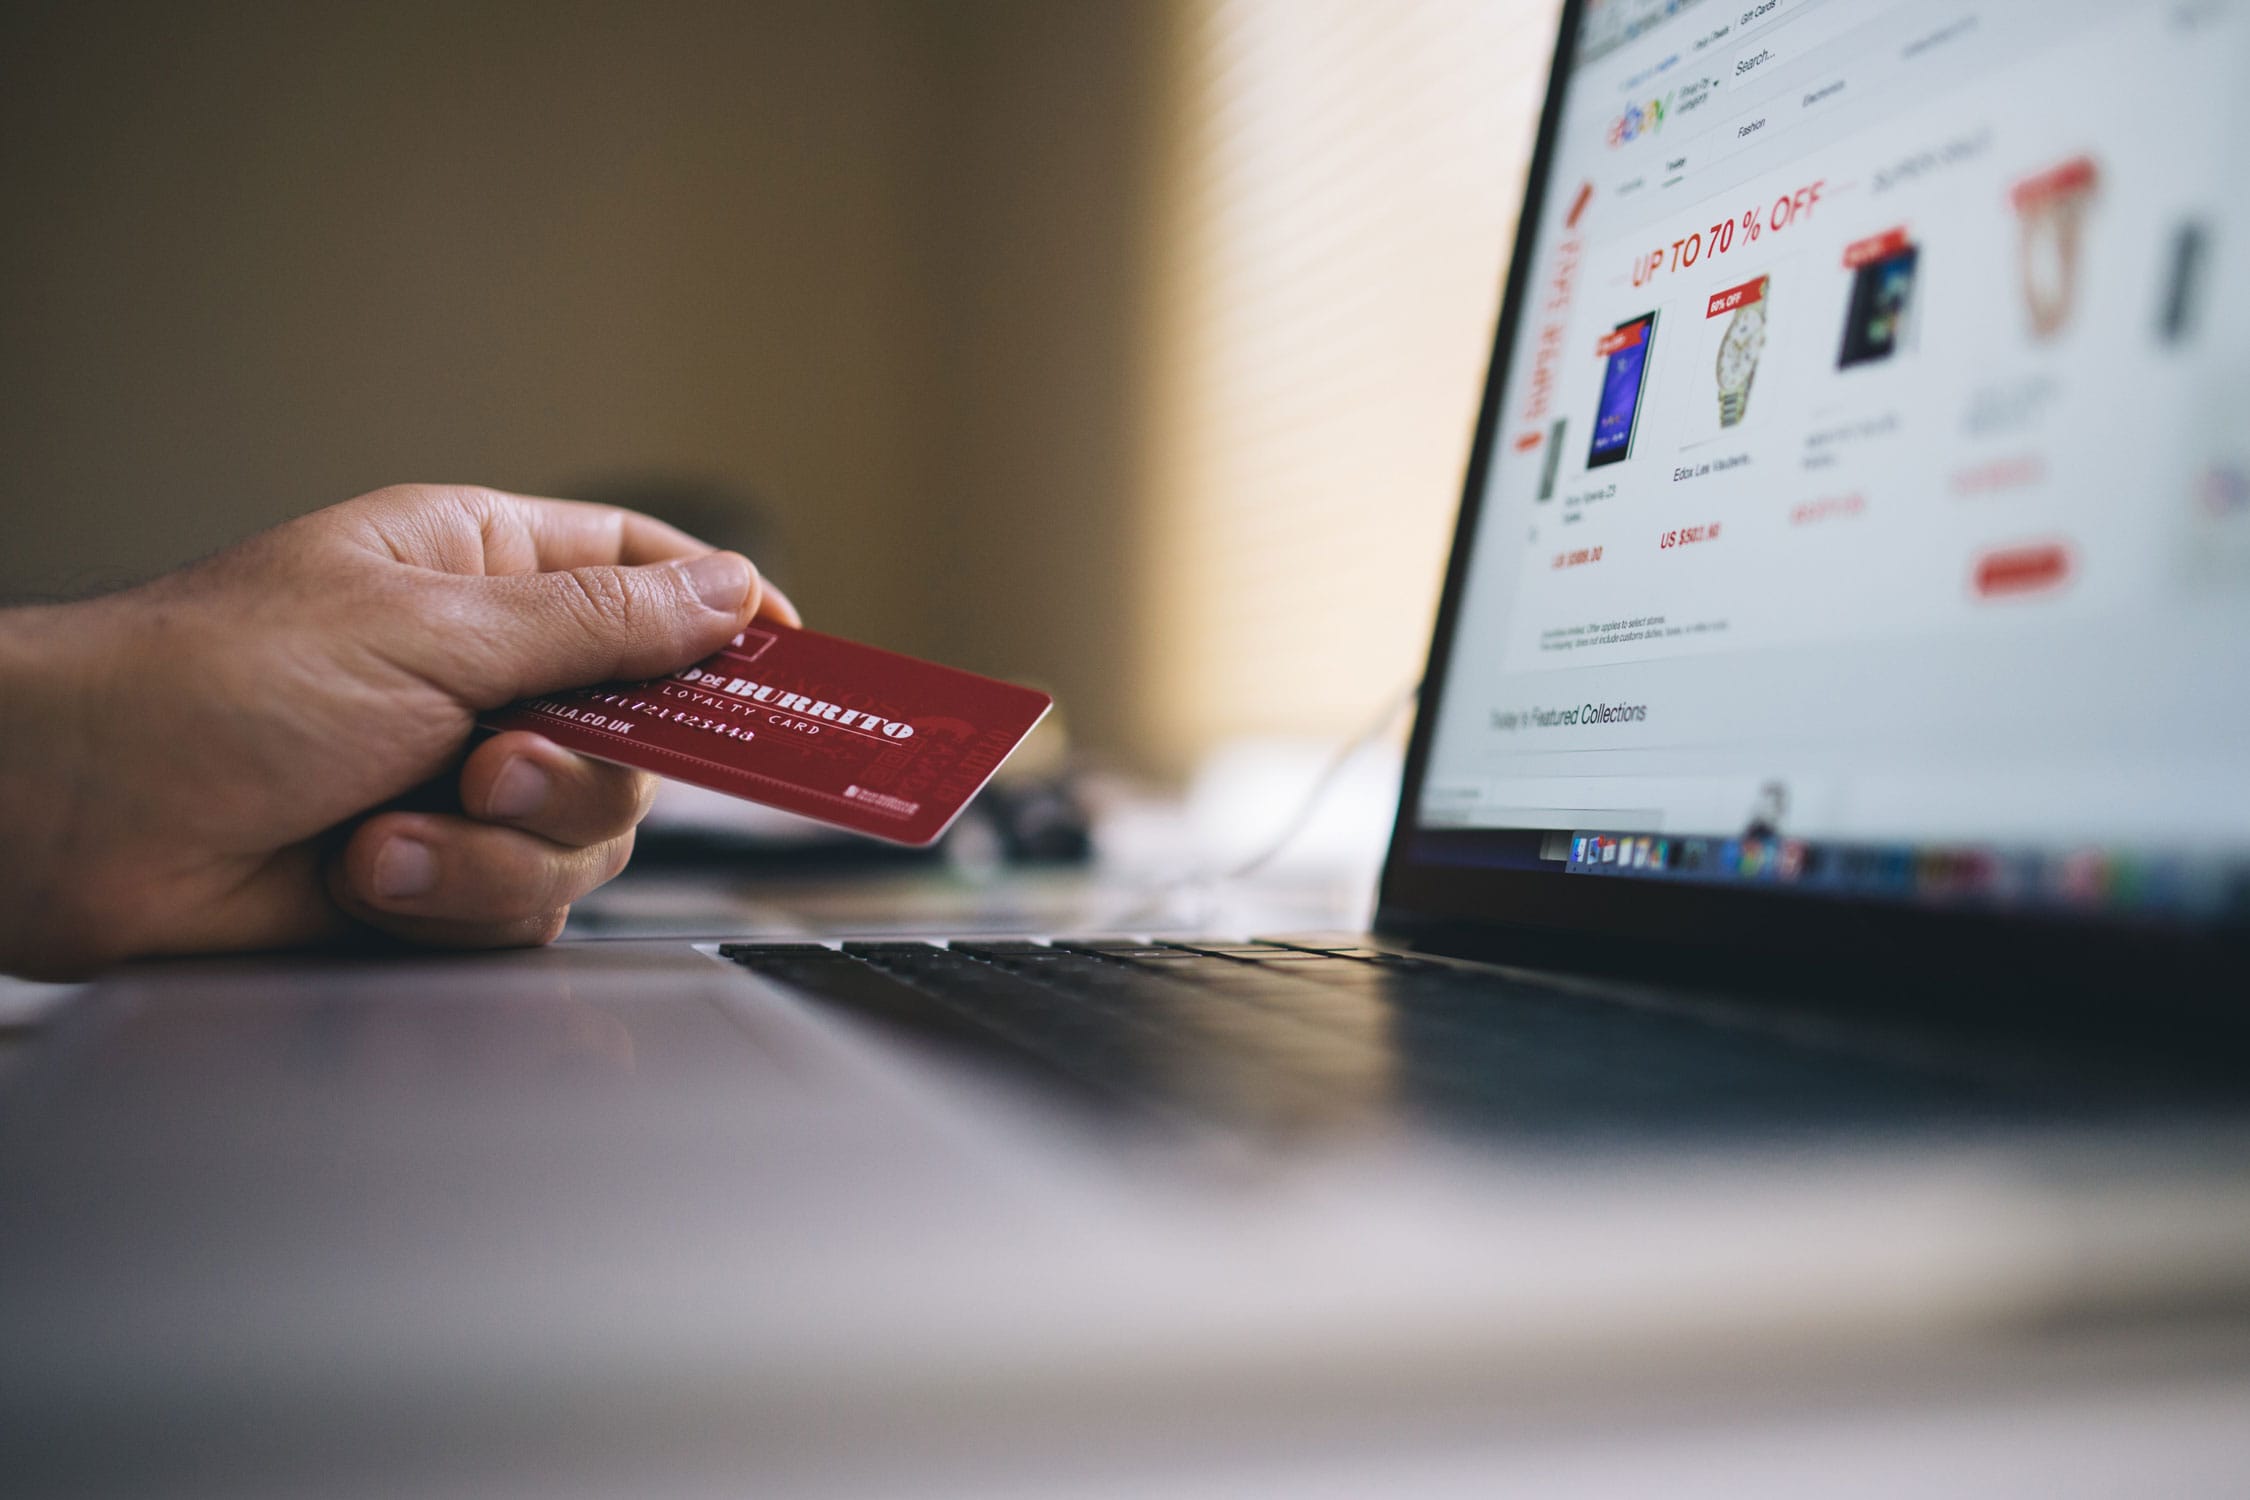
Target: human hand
[(212, 761)]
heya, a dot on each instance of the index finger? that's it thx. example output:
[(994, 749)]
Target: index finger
[(577, 533), (533, 534)]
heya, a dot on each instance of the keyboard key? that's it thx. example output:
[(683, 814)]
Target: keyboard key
[(739, 951)]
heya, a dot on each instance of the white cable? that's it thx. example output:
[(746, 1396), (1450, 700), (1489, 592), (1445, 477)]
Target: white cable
[(1303, 816), (1299, 819)]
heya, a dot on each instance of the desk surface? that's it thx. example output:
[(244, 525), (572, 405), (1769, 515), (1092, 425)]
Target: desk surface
[(697, 1272)]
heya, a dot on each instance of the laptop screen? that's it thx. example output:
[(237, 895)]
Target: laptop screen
[(1866, 504)]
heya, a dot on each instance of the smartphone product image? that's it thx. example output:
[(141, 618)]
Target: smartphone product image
[(1882, 299), (1627, 350)]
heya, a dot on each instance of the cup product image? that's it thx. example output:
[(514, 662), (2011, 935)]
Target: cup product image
[(2051, 212)]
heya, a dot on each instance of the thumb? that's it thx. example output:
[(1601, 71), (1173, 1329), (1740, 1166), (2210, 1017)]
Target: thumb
[(544, 632)]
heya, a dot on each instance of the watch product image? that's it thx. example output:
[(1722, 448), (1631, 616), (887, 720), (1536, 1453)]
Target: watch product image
[(1739, 348)]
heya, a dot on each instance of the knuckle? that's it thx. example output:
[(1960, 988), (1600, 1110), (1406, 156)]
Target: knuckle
[(603, 598), (394, 496), (420, 500), (477, 497)]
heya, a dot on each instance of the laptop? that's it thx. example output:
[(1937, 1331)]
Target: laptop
[(1843, 636), (1811, 941)]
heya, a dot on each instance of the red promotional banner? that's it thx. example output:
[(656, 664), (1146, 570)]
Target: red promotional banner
[(1736, 296), (1623, 338), (2074, 176), (1875, 247), (2022, 570)]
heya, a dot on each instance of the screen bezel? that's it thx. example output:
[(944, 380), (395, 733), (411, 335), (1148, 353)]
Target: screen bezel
[(1716, 930)]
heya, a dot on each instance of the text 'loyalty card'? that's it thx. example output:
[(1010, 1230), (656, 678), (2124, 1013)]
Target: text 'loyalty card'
[(864, 739)]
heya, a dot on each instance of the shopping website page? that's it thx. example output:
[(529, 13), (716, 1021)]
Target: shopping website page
[(1873, 461)]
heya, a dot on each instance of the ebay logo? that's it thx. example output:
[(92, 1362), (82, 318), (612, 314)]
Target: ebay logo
[(1637, 121)]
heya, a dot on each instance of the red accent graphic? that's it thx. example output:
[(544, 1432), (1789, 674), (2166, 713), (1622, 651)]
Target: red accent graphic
[(1875, 247), (2011, 473), (1621, 338), (1688, 536), (1549, 352), (1828, 508), (1736, 296), (2073, 176), (1720, 238), (1578, 205), (1527, 441), (2022, 570)]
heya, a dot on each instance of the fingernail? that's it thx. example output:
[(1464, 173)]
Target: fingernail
[(720, 579), (519, 790), (404, 868)]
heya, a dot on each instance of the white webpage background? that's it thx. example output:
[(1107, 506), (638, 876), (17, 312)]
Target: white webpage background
[(1851, 657)]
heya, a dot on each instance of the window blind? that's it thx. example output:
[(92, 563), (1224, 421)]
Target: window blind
[(1340, 185)]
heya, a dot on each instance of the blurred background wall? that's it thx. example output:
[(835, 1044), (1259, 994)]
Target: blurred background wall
[(1129, 346)]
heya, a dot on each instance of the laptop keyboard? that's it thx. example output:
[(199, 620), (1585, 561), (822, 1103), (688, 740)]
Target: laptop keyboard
[(1274, 1038)]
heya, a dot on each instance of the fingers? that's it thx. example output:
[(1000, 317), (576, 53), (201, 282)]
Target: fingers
[(467, 529), (535, 633), (773, 604), (545, 827), (528, 534), (528, 782), (433, 878), (532, 534), (551, 594), (427, 932)]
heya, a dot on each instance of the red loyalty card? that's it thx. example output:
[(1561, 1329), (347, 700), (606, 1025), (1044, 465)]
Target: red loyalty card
[(864, 739)]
